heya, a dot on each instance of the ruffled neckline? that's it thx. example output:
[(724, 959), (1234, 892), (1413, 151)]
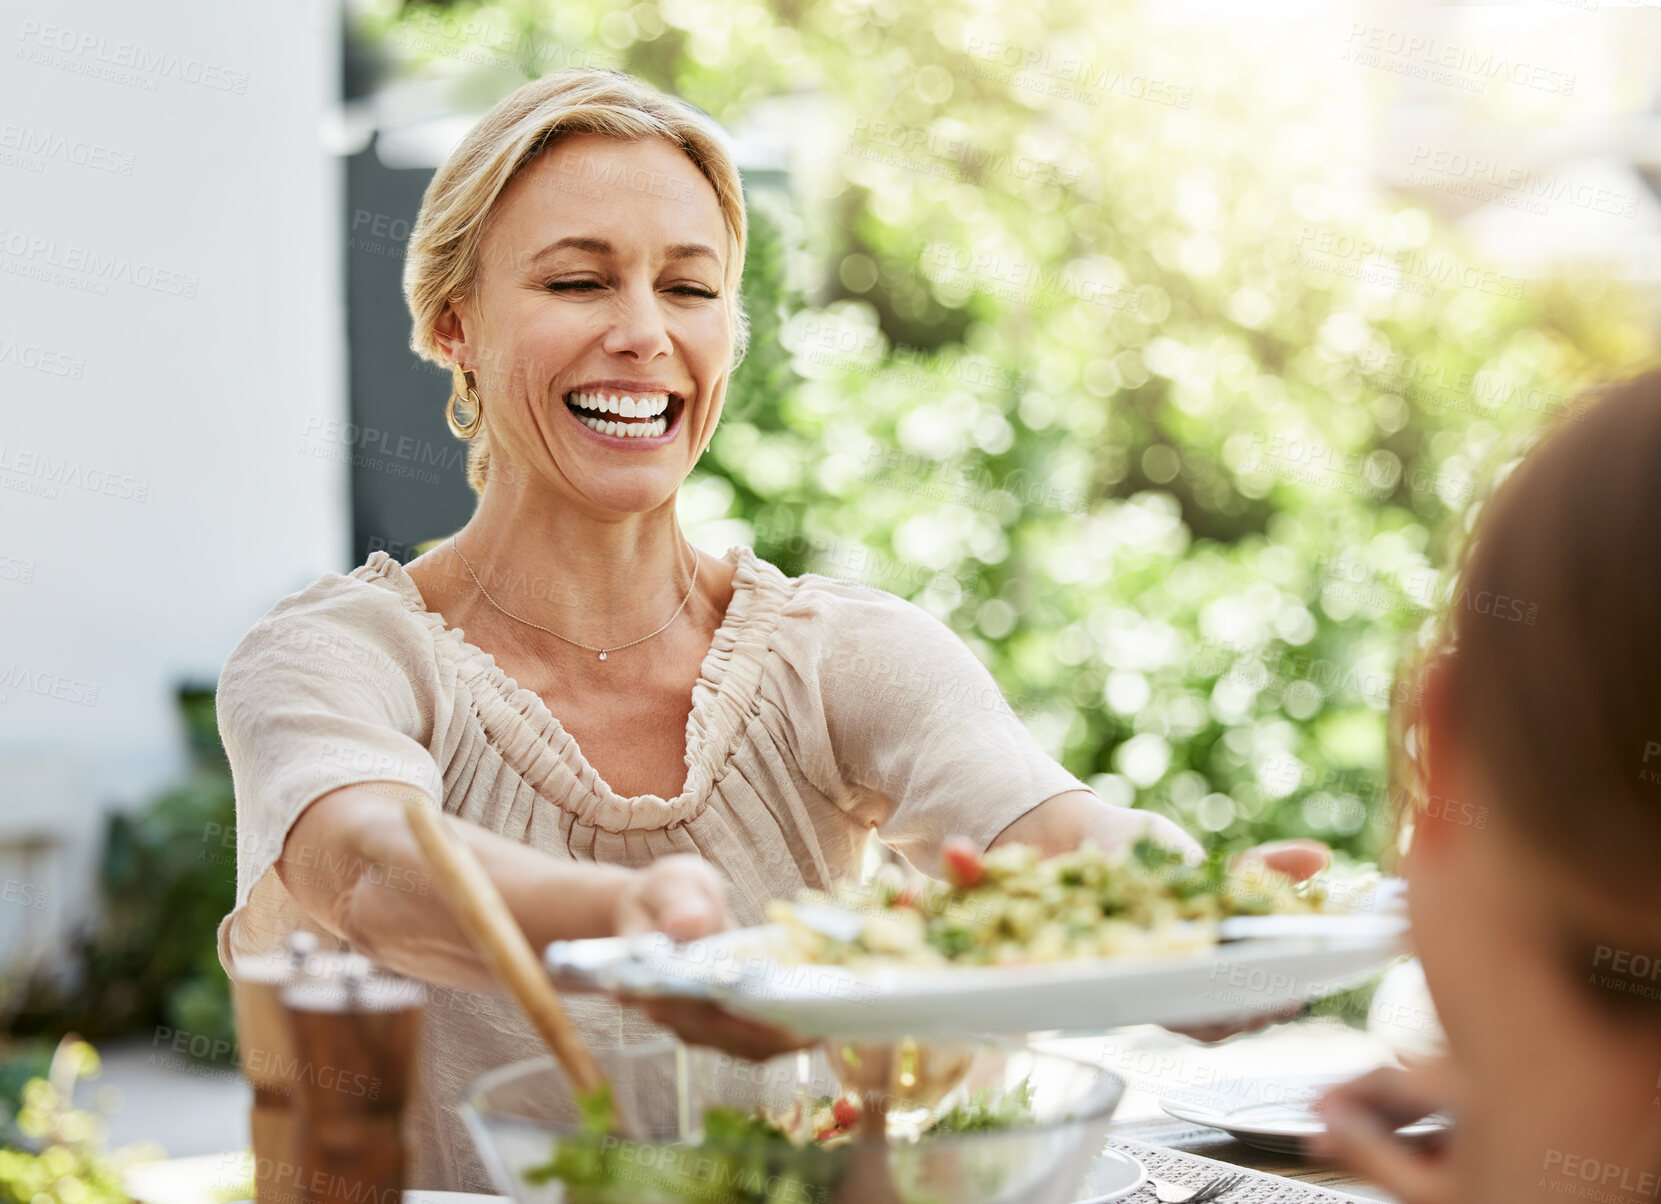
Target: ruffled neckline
[(519, 725)]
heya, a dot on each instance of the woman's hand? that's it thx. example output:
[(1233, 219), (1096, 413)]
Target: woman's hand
[(1062, 823), (684, 897), (1362, 1117), (1298, 859)]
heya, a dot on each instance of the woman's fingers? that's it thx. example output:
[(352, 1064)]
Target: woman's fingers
[(1368, 1146), (699, 1023), (1297, 859), (682, 896), (1396, 1097), (1362, 1117), (1210, 1034)]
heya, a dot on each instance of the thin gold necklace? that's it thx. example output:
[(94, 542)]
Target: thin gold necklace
[(585, 647)]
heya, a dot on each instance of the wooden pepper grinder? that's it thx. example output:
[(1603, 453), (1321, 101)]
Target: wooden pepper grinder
[(354, 1030), (266, 1045)]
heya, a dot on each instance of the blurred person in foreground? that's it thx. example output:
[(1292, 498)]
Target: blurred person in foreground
[(1535, 857), (636, 734)]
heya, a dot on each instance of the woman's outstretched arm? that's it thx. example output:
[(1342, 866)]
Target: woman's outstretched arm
[(354, 867)]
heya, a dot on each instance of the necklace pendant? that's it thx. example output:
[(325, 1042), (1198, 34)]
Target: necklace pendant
[(602, 656)]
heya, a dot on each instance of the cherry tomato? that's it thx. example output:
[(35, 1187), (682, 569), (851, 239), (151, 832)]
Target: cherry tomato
[(846, 1113), (961, 860)]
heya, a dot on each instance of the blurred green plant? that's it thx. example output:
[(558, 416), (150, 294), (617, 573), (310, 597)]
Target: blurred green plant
[(54, 1153), (167, 876), (1089, 333)]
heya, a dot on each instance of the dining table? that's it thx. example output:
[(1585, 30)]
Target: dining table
[(1156, 1065)]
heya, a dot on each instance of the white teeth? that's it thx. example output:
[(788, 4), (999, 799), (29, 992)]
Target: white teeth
[(626, 430), (623, 405)]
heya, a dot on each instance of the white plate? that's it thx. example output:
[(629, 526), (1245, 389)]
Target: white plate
[(1113, 1175), (1231, 981), (1282, 1127)]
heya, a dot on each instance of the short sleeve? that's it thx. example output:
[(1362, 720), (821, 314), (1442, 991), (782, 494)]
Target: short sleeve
[(334, 686), (916, 738)]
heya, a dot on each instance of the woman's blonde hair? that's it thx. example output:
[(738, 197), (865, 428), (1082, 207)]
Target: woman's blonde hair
[(442, 263)]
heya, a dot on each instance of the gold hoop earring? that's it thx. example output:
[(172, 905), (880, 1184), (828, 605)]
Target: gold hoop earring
[(460, 390)]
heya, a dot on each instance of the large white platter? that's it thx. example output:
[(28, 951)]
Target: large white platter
[(1283, 962)]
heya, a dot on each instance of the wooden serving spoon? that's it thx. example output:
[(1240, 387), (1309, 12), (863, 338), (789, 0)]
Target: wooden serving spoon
[(483, 914)]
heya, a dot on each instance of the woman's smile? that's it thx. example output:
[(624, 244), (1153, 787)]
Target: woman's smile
[(627, 415)]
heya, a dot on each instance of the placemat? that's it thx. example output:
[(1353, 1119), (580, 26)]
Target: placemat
[(1191, 1170)]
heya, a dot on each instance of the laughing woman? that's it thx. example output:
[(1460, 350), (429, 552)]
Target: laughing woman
[(635, 734)]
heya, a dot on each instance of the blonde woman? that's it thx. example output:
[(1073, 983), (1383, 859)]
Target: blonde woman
[(635, 734)]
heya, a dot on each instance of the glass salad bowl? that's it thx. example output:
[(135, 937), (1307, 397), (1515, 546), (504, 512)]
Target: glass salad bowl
[(972, 1123)]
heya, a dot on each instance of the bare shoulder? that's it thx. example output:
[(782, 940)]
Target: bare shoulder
[(715, 584), (438, 573)]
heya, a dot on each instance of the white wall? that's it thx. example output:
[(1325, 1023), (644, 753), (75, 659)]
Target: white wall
[(170, 322)]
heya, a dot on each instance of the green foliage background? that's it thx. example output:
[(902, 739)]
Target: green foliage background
[(167, 875), (1089, 336)]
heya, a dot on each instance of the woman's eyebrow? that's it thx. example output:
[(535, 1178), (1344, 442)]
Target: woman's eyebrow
[(599, 246)]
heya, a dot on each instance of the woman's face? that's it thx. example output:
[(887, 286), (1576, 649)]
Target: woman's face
[(599, 330), (1549, 993)]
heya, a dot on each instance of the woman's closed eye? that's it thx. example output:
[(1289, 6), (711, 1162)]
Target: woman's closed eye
[(684, 290)]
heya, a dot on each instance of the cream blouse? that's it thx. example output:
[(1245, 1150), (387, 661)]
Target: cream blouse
[(823, 710)]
